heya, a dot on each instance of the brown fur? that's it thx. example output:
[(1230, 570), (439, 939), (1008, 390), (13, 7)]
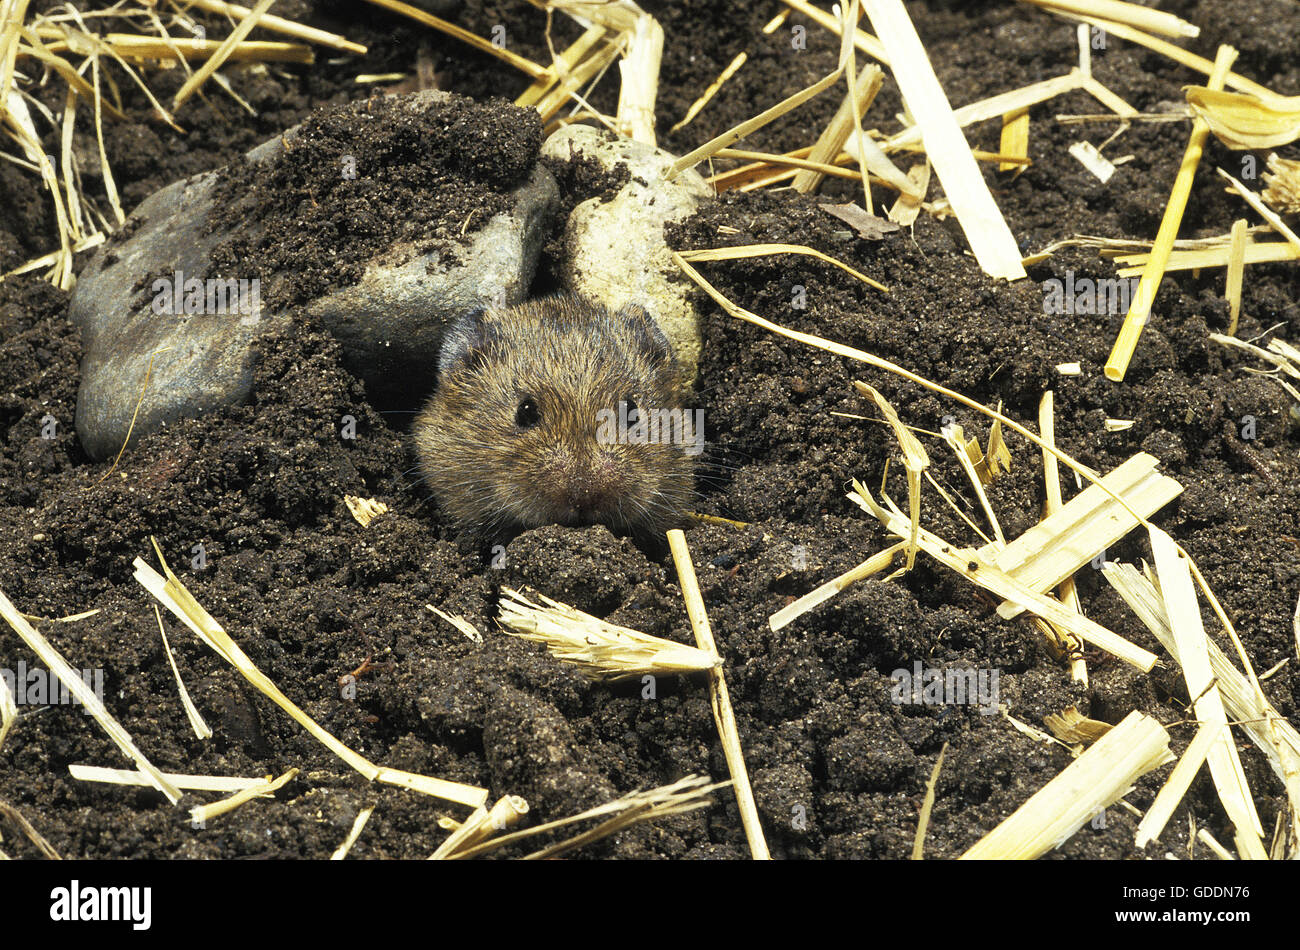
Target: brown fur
[(572, 359)]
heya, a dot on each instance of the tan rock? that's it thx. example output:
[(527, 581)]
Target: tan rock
[(615, 250)]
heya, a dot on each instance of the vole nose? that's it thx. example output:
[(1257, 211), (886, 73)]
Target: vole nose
[(594, 486)]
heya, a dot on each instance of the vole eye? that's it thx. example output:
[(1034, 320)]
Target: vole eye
[(633, 410), (527, 415)]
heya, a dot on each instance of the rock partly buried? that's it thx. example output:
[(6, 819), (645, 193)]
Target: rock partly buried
[(381, 220), (614, 251)]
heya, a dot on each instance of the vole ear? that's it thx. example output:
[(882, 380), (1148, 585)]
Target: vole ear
[(647, 327), (464, 337)]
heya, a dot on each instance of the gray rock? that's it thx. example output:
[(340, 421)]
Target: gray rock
[(390, 323), (199, 360), (615, 251)]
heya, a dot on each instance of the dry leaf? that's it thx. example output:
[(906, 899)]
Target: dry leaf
[(868, 226)]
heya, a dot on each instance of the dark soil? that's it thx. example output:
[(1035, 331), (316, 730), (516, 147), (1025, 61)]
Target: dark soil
[(360, 178), (248, 506)]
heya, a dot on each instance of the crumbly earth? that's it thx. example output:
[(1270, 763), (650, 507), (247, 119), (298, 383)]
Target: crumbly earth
[(247, 505), (361, 178)]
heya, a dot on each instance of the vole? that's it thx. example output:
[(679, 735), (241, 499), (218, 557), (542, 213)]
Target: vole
[(558, 411)]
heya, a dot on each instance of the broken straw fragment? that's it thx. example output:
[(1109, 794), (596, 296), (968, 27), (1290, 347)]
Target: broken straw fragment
[(1099, 777), (1140, 310), (990, 239)]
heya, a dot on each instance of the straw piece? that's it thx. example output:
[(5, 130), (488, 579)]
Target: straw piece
[(601, 651), (280, 25), (364, 510), (1242, 121), (482, 824), (1059, 545), (1198, 63), (995, 106), (148, 48), (69, 677), (761, 250), (1109, 99), (731, 69), (1091, 159), (1054, 503), (191, 783), (1015, 138), (1124, 248), (1282, 185), (847, 119), (1222, 853), (1262, 723), (819, 595), (1140, 309), (706, 97), (856, 108), (737, 132), (263, 789), (67, 161), (862, 41), (21, 121), (867, 151), (1268, 252), (955, 437), (567, 87), (34, 836), (1154, 21), (460, 623), (639, 809), (8, 710), (990, 239), (1267, 213), (1070, 725), (969, 563), (639, 74), (358, 826), (1184, 614), (428, 19), (682, 796), (45, 260), (1278, 352), (723, 714), (197, 723), (12, 15), (764, 160), (110, 185), (915, 460), (1175, 787), (177, 598), (905, 210), (237, 36), (927, 804), (1236, 270), (562, 66), (1098, 778)]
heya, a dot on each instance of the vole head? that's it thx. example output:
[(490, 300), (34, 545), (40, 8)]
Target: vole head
[(558, 412)]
